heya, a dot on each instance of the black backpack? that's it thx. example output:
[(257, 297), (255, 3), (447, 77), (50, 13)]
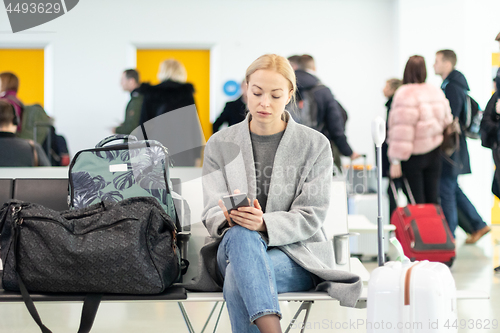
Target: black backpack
[(473, 117), (305, 112)]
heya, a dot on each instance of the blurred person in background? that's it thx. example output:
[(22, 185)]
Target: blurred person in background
[(490, 130), (9, 85), (389, 90), (16, 152), (330, 119), (419, 114), (130, 82), (294, 62), (497, 79), (234, 111), (171, 94), (176, 121), (455, 88)]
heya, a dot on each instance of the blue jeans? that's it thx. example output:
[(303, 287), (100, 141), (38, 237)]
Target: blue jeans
[(253, 277), (453, 197)]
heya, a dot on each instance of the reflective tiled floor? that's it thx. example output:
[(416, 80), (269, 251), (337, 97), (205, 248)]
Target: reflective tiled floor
[(473, 269)]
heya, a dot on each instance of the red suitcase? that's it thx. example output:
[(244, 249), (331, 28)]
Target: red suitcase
[(423, 231)]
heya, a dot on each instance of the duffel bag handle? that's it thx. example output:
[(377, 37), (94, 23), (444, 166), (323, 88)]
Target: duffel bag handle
[(115, 137)]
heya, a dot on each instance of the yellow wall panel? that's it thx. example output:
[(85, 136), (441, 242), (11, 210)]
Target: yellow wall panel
[(197, 63), (28, 65), (495, 59), (495, 211)]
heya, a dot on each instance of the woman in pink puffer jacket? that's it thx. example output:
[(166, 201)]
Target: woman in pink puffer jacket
[(419, 114)]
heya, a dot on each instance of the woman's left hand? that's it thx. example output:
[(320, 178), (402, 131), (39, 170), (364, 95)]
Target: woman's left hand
[(395, 171), (249, 217)]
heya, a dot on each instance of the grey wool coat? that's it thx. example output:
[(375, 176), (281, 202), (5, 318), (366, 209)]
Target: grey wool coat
[(298, 200)]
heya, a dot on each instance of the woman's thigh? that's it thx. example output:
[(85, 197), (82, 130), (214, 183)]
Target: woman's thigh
[(289, 275), (413, 171), (432, 176)]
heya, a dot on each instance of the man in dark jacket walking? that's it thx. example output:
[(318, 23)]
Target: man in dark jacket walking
[(456, 89), (490, 130), (330, 120), (130, 83)]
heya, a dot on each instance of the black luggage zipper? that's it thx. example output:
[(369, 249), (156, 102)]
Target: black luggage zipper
[(20, 220)]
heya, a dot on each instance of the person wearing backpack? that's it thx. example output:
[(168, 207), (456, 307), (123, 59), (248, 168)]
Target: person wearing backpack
[(318, 109), (456, 89), (16, 152)]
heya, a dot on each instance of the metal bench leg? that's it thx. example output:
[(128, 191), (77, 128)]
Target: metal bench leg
[(218, 317), (186, 318), (210, 316), (188, 322), (306, 305)]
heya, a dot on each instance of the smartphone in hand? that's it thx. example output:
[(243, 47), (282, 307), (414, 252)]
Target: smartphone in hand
[(234, 201)]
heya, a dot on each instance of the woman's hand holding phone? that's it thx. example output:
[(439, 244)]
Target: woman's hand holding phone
[(249, 217)]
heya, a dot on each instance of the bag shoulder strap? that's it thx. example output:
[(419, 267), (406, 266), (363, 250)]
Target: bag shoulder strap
[(90, 305), (15, 100), (317, 86)]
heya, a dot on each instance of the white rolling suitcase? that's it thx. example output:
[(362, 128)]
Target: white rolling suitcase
[(404, 296)]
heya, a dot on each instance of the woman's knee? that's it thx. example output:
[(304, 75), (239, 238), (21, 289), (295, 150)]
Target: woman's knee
[(238, 232), (242, 239)]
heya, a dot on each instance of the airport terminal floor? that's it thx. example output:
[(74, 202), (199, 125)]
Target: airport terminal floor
[(473, 269)]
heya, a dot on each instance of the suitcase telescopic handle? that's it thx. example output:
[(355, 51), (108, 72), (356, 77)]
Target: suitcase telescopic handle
[(114, 138), (408, 191)]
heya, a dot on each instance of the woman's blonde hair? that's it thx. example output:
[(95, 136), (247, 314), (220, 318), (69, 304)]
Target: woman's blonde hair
[(172, 69), (276, 63)]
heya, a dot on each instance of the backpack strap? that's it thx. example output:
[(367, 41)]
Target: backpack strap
[(14, 99), (35, 154)]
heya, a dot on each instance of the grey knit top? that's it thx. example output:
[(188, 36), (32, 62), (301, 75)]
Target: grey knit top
[(264, 150)]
